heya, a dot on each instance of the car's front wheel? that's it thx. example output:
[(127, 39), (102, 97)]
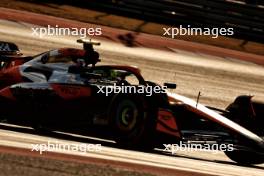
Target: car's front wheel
[(245, 157)]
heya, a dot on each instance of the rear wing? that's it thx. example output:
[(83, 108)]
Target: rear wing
[(9, 49), (88, 44), (92, 55)]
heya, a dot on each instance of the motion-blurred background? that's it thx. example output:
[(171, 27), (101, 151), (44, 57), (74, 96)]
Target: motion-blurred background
[(150, 16)]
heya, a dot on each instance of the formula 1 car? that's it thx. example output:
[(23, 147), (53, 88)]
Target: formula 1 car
[(65, 88)]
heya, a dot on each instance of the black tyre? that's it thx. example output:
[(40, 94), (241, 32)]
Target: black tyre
[(40, 129), (245, 157), (245, 113), (131, 122)]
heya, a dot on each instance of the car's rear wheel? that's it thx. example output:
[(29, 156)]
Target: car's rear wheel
[(246, 113), (131, 122), (245, 157)]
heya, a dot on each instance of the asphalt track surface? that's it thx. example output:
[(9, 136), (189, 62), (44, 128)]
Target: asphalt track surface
[(219, 79)]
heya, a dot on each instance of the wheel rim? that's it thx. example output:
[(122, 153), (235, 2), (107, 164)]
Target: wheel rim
[(127, 116)]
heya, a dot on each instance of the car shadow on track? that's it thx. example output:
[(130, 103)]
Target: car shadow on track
[(63, 135), (207, 160), (95, 138)]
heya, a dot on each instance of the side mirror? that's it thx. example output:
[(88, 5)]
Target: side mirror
[(170, 85)]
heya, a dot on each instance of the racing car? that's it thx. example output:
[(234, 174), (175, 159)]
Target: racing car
[(67, 88)]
